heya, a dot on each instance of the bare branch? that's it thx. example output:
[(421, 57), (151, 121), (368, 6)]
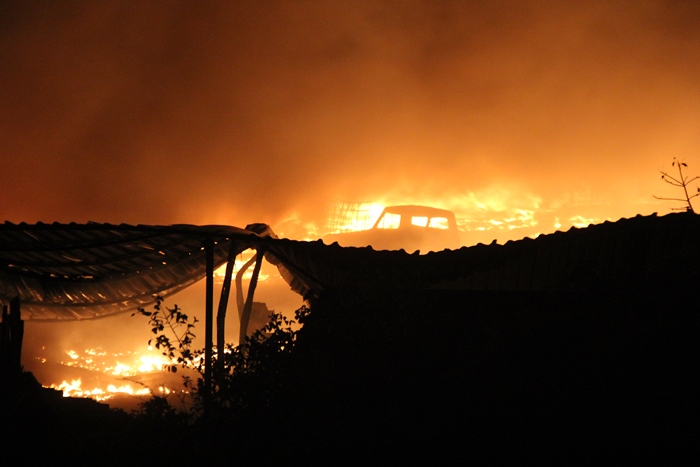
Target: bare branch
[(682, 182), (670, 199), (666, 177)]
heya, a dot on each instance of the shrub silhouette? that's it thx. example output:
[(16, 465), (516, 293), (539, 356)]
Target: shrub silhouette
[(252, 370)]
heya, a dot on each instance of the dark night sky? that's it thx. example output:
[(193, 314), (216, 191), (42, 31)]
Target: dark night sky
[(261, 111)]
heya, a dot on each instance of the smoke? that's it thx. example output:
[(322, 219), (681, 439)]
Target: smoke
[(256, 111), (249, 111)]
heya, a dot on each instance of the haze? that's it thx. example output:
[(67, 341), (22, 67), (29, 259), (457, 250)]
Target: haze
[(241, 112), (522, 117)]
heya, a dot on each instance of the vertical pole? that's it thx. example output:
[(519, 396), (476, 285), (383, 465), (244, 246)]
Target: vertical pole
[(209, 320), (221, 315), (11, 334), (240, 303), (17, 334), (5, 343), (247, 309)]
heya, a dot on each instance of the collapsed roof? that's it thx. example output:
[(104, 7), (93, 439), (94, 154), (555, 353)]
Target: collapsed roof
[(83, 271)]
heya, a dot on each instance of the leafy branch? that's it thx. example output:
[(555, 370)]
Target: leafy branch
[(253, 372), (681, 181), (180, 327)]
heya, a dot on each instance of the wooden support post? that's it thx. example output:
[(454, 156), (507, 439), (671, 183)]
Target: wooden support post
[(240, 303), (221, 315), (245, 318), (5, 343), (11, 335), (209, 319)]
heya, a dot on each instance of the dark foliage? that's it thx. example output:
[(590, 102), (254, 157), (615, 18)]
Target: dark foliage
[(409, 375)]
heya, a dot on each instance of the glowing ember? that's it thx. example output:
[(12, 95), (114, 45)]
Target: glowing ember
[(119, 366), (75, 389), (133, 365)]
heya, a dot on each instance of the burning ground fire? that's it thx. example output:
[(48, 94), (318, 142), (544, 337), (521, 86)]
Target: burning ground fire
[(119, 377), (107, 376), (74, 389)]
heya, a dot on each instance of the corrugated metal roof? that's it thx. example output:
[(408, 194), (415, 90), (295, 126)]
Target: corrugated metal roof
[(82, 271), (636, 253)]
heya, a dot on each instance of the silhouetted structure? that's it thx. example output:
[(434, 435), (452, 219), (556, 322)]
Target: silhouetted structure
[(578, 346), (409, 227), (259, 317), (341, 214), (11, 335)]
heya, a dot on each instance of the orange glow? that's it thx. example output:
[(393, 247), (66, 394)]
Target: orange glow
[(390, 221), (99, 360), (123, 365), (520, 133), (240, 261), (352, 217), (498, 213), (439, 223), (420, 221), (75, 389), (581, 222)]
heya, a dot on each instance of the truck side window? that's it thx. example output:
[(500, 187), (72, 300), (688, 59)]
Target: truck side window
[(420, 221)]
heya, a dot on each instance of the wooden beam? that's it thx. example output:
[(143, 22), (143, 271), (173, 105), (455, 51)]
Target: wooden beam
[(221, 315), (209, 319), (251, 292), (11, 335)]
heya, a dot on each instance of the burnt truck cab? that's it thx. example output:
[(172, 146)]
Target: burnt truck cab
[(407, 227)]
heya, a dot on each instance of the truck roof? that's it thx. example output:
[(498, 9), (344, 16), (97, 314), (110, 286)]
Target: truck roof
[(415, 209)]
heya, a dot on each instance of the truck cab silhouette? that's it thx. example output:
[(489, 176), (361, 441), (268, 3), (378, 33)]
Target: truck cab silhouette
[(407, 227)]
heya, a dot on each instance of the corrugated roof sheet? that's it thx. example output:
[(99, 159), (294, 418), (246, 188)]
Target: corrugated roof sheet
[(82, 271), (635, 253)]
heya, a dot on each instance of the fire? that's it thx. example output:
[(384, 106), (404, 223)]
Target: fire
[(499, 212), (105, 366), (496, 214), (240, 261), (580, 221), (120, 366), (352, 217), (149, 364), (75, 389)]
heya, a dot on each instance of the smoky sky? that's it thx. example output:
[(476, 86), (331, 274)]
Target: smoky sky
[(258, 111)]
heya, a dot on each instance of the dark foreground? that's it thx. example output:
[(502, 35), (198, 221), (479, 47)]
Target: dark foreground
[(410, 376)]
